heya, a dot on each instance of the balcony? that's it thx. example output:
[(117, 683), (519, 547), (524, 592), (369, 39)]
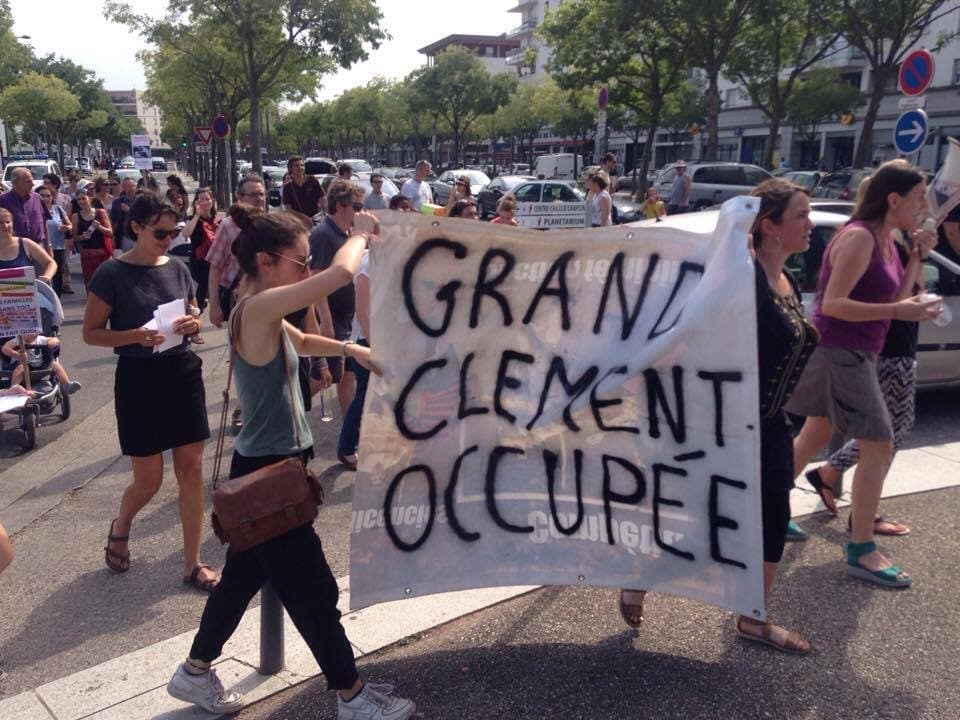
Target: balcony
[(525, 28), (516, 57), (523, 5)]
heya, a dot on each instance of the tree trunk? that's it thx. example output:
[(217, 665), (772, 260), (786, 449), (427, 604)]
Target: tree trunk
[(865, 145), (771, 140), (256, 137), (713, 117)]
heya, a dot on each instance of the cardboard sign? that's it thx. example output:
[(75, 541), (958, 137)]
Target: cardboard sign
[(19, 310), (567, 408)]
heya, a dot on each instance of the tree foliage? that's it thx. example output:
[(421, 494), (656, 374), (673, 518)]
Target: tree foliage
[(821, 96), (459, 89)]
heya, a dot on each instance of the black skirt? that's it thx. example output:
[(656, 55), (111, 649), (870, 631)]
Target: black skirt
[(160, 403)]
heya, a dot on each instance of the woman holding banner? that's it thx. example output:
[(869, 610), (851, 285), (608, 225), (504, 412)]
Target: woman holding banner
[(863, 286), (785, 341), (274, 255)]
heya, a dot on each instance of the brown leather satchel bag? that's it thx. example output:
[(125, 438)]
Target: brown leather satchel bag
[(253, 508)]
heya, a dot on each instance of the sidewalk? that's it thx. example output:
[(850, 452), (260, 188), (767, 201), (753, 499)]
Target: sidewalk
[(515, 652)]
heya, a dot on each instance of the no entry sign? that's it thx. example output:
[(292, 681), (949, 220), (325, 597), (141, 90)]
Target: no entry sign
[(916, 72)]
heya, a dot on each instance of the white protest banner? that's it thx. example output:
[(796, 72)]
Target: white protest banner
[(19, 310), (552, 215), (142, 154), (561, 408)]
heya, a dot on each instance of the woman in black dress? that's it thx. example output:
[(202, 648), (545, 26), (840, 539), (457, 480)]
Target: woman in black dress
[(160, 399)]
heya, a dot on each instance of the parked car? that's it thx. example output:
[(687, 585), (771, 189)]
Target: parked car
[(126, 163), (37, 168), (319, 166), (159, 164), (556, 165), (273, 182), (70, 164), (804, 178), (132, 173), (389, 187), (489, 196), (547, 191), (389, 172), (84, 164), (443, 185), (357, 165), (842, 184), (938, 351), (713, 182)]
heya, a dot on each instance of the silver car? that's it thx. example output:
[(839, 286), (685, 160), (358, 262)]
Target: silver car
[(938, 350), (712, 183)]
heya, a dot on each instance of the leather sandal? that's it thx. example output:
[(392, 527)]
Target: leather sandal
[(118, 562), (813, 477), (793, 642), (194, 581), (882, 526), (632, 612)]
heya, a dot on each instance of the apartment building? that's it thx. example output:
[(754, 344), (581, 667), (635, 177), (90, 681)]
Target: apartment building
[(132, 103)]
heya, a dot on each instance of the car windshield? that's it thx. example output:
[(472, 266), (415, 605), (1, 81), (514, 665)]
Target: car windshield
[(38, 171), (359, 165), (476, 177)]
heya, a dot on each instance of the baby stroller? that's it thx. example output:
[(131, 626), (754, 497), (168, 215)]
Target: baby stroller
[(47, 394)]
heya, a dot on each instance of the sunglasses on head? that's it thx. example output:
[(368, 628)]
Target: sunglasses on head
[(161, 234), (357, 207)]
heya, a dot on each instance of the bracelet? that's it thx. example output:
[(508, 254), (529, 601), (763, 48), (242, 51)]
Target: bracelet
[(343, 347)]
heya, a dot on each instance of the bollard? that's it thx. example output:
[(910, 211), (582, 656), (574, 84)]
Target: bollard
[(271, 631)]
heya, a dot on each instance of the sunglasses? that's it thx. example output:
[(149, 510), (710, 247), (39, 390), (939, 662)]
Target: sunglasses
[(161, 234), (304, 264), (357, 207)]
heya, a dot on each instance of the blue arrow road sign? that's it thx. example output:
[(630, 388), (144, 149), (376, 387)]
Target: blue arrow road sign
[(911, 131)]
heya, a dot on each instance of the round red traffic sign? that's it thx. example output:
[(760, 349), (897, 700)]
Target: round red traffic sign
[(916, 72), (220, 126)]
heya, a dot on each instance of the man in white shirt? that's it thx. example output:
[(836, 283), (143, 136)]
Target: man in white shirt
[(416, 188)]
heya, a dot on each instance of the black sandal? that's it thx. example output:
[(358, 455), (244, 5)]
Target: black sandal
[(194, 580), (118, 562), (813, 477)]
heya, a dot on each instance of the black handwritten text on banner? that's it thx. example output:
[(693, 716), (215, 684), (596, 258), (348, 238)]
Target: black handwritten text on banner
[(560, 408)]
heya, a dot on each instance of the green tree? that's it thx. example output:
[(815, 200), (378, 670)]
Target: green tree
[(572, 115), (708, 31), (15, 57), (640, 64), (282, 48), (460, 89), (38, 102), (820, 96), (523, 117), (780, 41), (885, 31), (684, 114)]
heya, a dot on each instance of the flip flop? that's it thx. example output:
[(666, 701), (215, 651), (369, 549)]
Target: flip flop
[(194, 580), (118, 562), (813, 477), (878, 528)]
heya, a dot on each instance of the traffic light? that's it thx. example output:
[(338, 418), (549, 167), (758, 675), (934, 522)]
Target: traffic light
[(183, 142)]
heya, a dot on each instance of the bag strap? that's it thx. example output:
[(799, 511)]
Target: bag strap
[(224, 411)]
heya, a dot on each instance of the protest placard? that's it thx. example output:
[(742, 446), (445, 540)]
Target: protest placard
[(19, 310), (141, 152), (561, 408), (552, 215)]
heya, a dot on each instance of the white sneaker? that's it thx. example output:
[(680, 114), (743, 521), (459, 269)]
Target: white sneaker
[(374, 702), (204, 690)]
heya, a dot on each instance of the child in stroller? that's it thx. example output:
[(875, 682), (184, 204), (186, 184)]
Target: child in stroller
[(42, 354)]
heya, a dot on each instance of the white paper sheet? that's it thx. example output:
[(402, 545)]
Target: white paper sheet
[(12, 402), (164, 317)]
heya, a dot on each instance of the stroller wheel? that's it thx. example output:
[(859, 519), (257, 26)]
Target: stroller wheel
[(28, 423), (64, 405)]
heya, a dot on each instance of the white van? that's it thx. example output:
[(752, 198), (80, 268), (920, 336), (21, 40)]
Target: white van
[(557, 166)]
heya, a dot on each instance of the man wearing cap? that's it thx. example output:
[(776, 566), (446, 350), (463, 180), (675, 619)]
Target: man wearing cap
[(29, 213), (376, 199), (680, 192)]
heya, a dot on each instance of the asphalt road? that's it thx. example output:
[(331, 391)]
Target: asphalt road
[(565, 653)]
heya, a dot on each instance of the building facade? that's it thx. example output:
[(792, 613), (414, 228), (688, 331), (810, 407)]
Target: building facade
[(493, 50), (743, 128), (132, 103)]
